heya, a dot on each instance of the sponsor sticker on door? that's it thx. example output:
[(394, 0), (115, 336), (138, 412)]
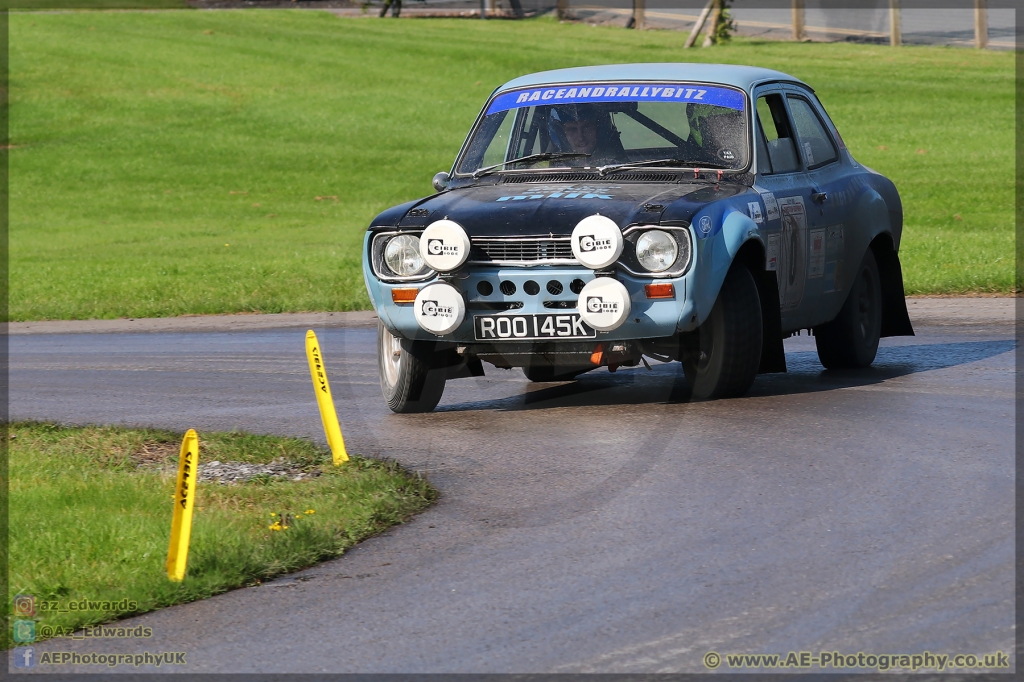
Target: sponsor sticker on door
[(816, 262), (754, 208)]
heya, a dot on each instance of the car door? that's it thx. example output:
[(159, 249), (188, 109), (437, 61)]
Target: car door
[(785, 191), (826, 232)]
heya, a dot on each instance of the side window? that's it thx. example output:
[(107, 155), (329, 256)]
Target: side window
[(814, 141), (771, 114)]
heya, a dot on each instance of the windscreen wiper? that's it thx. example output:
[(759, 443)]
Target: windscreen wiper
[(683, 165), (543, 156)]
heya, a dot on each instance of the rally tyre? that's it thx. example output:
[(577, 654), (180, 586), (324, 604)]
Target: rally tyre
[(851, 340), (408, 378), (724, 353)]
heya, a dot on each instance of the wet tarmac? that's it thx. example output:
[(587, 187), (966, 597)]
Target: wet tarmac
[(604, 525)]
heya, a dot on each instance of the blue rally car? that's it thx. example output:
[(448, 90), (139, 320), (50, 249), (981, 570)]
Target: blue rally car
[(687, 212)]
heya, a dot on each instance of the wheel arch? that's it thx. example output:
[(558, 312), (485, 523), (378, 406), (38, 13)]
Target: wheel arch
[(773, 353), (878, 214), (739, 241), (717, 254)]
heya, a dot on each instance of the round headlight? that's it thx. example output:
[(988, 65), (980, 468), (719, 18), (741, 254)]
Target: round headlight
[(402, 255), (656, 250)]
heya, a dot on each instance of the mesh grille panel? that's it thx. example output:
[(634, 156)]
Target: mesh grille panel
[(521, 250)]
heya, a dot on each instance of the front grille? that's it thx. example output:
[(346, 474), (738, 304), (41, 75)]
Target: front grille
[(533, 251)]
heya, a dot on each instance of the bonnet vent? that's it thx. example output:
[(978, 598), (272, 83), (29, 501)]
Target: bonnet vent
[(578, 177)]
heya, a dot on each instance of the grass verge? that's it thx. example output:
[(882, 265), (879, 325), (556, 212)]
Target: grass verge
[(88, 522), (169, 163)]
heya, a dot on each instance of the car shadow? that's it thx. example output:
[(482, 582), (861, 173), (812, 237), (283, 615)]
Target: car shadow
[(665, 383)]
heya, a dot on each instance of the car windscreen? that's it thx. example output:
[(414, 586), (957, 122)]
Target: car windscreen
[(602, 124)]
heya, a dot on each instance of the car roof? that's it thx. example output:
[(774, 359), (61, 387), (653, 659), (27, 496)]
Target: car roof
[(744, 77)]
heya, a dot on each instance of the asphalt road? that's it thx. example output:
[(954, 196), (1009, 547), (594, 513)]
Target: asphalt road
[(597, 526)]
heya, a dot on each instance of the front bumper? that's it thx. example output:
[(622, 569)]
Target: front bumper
[(649, 318)]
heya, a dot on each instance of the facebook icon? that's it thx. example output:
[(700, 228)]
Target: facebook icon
[(24, 657)]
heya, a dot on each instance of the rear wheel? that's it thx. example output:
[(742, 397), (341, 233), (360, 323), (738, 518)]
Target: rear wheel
[(721, 358), (851, 340), (409, 379)]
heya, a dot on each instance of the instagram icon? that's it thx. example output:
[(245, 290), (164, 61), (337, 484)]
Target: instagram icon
[(24, 605)]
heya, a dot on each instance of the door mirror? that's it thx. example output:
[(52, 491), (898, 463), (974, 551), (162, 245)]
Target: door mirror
[(440, 181)]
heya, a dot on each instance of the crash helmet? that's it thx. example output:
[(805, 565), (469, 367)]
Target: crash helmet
[(561, 114)]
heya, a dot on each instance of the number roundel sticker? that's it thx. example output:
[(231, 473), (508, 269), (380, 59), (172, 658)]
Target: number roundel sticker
[(597, 242), (604, 304), (439, 308), (444, 245)]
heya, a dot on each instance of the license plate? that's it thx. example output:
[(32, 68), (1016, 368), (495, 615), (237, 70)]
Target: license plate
[(530, 327)]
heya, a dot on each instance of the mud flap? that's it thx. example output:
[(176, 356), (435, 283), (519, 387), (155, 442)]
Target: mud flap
[(895, 319), (773, 352)]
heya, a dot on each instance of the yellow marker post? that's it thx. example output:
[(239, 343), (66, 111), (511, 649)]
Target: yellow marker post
[(184, 498), (323, 399)]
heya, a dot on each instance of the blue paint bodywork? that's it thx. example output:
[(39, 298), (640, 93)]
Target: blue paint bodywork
[(861, 206)]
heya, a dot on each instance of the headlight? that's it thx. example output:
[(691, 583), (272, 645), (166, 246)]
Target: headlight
[(656, 250), (402, 255)]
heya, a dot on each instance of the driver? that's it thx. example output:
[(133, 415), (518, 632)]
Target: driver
[(584, 129)]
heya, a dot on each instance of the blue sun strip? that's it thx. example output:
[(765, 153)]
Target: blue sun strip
[(618, 92)]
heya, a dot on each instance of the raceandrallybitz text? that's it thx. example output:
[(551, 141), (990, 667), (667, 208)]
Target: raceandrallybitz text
[(835, 659)]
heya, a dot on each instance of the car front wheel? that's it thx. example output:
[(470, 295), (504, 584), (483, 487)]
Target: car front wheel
[(409, 379), (851, 340), (721, 358)]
